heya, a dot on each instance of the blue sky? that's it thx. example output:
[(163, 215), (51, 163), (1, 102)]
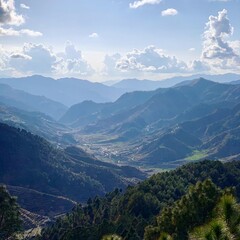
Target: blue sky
[(113, 39)]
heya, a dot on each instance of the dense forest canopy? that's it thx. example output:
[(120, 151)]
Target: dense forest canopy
[(130, 213), (10, 222)]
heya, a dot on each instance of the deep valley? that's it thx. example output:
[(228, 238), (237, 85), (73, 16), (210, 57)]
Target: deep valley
[(94, 151)]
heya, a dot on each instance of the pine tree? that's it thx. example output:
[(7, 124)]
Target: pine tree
[(10, 222), (225, 223)]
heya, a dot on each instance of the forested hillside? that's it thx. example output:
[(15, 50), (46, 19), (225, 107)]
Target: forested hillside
[(164, 128), (128, 214), (36, 123), (41, 166), (10, 222), (203, 203), (119, 120)]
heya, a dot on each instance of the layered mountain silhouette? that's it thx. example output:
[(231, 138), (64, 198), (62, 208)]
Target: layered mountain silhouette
[(43, 167), (50, 153), (168, 124), (159, 105), (131, 85), (37, 123), (67, 91), (29, 102)]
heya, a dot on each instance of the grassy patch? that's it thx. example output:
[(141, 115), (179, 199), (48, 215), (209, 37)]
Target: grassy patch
[(197, 155)]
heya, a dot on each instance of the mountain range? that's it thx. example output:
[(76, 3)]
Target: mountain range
[(70, 91), (130, 85), (37, 123), (29, 102), (67, 91), (162, 126), (152, 128), (65, 155), (31, 167), (154, 106)]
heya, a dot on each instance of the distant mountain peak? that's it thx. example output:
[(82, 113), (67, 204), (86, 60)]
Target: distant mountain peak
[(198, 82), (201, 80)]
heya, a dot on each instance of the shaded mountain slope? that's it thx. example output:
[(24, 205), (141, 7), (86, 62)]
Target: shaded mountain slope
[(39, 209), (215, 136), (29, 102), (129, 213), (40, 166), (68, 91), (157, 132), (167, 104), (44, 204), (168, 147), (162, 105), (88, 112), (37, 123), (83, 113)]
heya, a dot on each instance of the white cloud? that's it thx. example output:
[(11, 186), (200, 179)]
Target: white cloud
[(4, 57), (12, 32), (94, 35), (40, 59), (16, 33), (236, 46), (8, 14), (141, 3), (217, 50), (110, 64), (191, 49), (8, 32), (20, 56), (34, 59), (169, 12), (24, 6), (72, 63), (198, 66), (30, 33), (150, 59)]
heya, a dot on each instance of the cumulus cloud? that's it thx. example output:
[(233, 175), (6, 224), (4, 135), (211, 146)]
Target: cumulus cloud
[(218, 54), (41, 59), (169, 12), (24, 6), (8, 14), (17, 33), (149, 62), (217, 50), (110, 64), (72, 63), (20, 56), (34, 59), (236, 46), (150, 59), (94, 35), (140, 3), (198, 66), (4, 57)]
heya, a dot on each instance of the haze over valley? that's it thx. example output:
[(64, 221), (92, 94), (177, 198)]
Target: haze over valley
[(119, 120)]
